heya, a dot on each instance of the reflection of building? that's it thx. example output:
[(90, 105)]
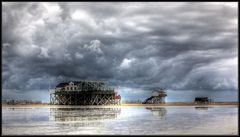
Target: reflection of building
[(202, 108), (156, 98), (158, 111), (84, 93), (83, 114)]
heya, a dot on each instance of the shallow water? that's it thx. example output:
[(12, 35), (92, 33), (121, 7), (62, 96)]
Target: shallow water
[(125, 120)]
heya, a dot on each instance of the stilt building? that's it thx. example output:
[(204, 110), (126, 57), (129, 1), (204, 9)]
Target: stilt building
[(84, 93)]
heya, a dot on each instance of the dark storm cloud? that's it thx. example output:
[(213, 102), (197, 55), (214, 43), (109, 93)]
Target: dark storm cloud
[(138, 46)]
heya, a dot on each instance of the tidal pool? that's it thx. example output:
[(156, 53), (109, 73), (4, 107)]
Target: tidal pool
[(121, 120)]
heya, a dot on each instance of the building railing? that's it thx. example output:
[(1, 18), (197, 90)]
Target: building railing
[(52, 91)]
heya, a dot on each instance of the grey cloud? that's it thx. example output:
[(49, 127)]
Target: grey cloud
[(172, 45)]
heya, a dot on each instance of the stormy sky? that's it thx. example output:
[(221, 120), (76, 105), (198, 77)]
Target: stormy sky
[(191, 49)]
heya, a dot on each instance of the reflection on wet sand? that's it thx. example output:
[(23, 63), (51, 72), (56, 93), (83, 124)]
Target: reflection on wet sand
[(158, 111), (202, 107), (123, 121), (83, 117)]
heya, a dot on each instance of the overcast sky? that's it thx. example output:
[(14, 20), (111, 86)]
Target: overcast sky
[(188, 48)]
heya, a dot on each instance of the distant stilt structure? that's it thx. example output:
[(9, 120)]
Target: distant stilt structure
[(83, 93), (157, 97), (202, 100)]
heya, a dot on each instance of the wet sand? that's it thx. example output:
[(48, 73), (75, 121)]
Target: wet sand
[(120, 120)]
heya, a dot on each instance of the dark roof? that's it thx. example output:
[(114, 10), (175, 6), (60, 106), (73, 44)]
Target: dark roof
[(202, 97)]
